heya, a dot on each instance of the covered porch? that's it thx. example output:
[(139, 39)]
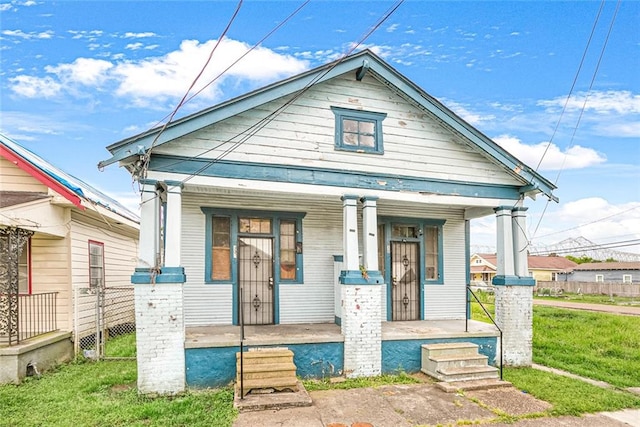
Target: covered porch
[(210, 351)]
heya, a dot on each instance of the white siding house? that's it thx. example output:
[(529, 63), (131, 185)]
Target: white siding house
[(51, 221), (342, 195)]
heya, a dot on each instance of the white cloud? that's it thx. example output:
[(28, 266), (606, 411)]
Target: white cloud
[(35, 87), (139, 35), (134, 46), (470, 117), (594, 218), (157, 79), (575, 157), (621, 102), (624, 129), (5, 7), (391, 28), (84, 71), (28, 36)]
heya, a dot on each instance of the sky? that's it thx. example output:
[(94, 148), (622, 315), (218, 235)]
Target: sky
[(77, 76)]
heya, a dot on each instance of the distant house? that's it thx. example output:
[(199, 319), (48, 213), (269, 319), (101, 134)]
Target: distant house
[(59, 239), (336, 202), (541, 268), (600, 272)]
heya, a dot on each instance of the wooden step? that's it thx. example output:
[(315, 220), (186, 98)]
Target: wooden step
[(262, 367)]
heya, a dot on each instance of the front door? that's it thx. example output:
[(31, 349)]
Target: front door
[(405, 281), (255, 280)]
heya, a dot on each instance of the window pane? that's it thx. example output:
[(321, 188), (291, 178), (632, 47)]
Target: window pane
[(287, 250), (255, 225), (367, 141), (350, 139), (410, 231), (350, 126), (431, 251), (367, 128), (96, 265), (221, 253)]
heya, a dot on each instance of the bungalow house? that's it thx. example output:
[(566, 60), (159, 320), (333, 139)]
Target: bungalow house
[(541, 268), (600, 272), (328, 213), (60, 241)]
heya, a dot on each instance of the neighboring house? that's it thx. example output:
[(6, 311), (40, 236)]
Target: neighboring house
[(339, 197), (58, 237), (541, 268), (610, 272)]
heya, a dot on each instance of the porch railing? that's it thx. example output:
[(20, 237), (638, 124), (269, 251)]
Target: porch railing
[(36, 316), (486, 312)]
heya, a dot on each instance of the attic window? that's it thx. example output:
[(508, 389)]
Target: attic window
[(357, 130)]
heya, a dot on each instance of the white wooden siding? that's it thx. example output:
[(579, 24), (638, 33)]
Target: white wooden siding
[(120, 260), (415, 144), (12, 178), (50, 273), (314, 300)]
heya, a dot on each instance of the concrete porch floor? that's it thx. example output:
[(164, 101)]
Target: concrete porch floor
[(307, 333)]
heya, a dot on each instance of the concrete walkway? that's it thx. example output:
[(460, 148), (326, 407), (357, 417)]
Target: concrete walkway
[(615, 309), (425, 405)]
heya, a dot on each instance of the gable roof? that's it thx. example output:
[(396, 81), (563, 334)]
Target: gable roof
[(361, 63), (594, 266), (71, 188), (536, 262)]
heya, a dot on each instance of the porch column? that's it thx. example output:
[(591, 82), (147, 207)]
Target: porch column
[(149, 225), (361, 295), (159, 300), (514, 289), (370, 239)]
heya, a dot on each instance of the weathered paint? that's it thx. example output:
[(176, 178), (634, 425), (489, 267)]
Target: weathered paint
[(329, 177), (406, 355), (216, 366)]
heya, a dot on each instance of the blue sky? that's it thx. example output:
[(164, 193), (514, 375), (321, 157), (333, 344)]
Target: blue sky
[(76, 76)]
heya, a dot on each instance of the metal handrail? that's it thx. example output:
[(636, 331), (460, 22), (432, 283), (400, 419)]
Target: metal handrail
[(35, 315), (466, 326)]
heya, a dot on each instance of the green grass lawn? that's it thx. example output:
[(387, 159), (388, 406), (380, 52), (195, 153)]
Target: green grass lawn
[(601, 346), (105, 394)]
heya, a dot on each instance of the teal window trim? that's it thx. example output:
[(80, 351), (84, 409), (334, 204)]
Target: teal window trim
[(439, 224), (234, 215), (342, 114)]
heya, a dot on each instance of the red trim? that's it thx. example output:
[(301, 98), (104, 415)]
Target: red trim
[(41, 176)]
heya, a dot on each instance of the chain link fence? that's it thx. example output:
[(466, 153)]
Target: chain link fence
[(105, 322)]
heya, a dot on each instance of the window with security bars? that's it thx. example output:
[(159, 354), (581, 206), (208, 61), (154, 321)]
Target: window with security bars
[(96, 264)]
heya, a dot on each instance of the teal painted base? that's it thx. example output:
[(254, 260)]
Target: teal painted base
[(216, 366), (354, 277), (166, 275), (406, 355), (513, 281)]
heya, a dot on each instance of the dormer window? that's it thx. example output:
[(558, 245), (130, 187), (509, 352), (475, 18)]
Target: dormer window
[(358, 130)]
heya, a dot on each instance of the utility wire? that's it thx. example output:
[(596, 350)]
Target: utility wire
[(147, 156), (589, 223), (256, 127), (575, 129), (593, 247)]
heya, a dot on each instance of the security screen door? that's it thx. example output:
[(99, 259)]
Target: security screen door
[(405, 280), (255, 279)]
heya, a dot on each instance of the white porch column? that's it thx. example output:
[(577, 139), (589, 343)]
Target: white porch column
[(520, 242), (370, 233), (513, 288), (504, 245), (361, 294), (173, 233), (149, 225), (160, 331), (350, 232)]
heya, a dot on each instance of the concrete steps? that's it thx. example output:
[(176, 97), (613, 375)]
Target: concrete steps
[(456, 362), (266, 370)]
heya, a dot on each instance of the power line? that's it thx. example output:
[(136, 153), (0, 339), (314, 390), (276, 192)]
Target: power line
[(593, 78), (147, 156), (260, 124), (589, 223), (591, 247)]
